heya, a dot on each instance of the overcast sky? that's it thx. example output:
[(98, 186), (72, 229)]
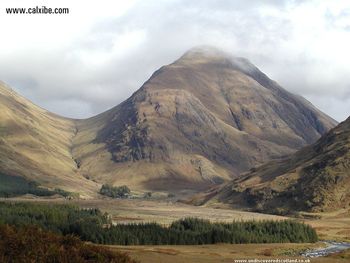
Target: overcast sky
[(85, 62)]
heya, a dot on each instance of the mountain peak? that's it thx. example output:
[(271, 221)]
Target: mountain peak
[(214, 55), (203, 53)]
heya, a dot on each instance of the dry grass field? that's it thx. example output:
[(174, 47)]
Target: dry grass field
[(126, 211), (331, 225), (163, 212), (213, 253), (226, 253)]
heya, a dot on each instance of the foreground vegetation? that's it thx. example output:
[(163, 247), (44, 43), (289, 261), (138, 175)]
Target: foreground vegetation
[(14, 186), (92, 225), (32, 244)]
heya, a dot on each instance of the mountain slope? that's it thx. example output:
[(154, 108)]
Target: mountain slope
[(199, 121), (36, 144), (315, 178)]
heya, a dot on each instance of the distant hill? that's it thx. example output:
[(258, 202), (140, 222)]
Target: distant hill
[(197, 122), (316, 178), (37, 145)]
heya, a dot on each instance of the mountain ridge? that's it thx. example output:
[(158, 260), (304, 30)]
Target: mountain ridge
[(315, 178), (198, 121), (36, 144)]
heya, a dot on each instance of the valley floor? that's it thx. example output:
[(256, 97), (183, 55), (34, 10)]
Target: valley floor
[(329, 226), (225, 253), (162, 212)]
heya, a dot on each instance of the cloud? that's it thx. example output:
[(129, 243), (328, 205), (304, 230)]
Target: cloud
[(83, 63)]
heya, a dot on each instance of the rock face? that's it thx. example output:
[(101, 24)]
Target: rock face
[(199, 121), (316, 178)]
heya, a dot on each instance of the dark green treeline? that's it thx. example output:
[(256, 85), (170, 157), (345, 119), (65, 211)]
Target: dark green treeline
[(92, 225)]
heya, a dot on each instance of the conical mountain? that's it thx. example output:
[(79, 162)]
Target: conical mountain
[(201, 120), (316, 178)]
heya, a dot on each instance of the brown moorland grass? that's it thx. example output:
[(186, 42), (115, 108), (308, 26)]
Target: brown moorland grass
[(217, 253)]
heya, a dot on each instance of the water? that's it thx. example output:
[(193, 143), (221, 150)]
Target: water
[(332, 247)]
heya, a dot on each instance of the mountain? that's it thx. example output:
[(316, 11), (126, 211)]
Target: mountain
[(199, 121), (316, 178), (37, 145), (203, 119)]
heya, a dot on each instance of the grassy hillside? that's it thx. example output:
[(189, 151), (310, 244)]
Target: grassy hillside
[(36, 144), (316, 178), (14, 186)]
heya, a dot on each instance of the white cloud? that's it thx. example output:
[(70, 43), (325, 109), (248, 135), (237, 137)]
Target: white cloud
[(95, 57)]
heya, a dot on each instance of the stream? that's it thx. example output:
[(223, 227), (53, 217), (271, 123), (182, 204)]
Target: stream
[(332, 247)]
